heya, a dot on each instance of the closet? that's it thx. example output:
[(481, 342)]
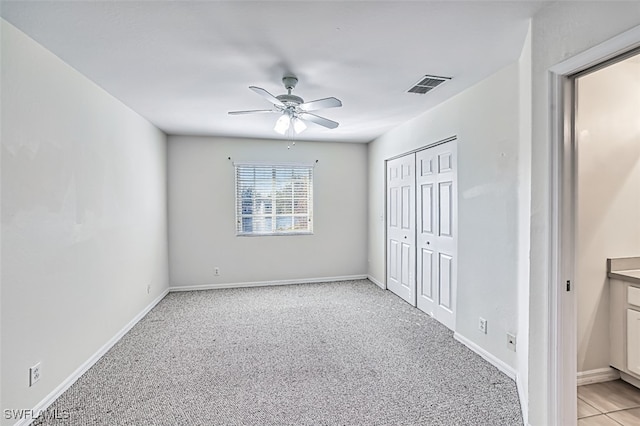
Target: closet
[(421, 201)]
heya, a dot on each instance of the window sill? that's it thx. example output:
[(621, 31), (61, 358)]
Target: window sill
[(273, 234)]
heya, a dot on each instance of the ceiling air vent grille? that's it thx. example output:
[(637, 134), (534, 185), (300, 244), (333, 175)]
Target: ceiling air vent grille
[(427, 83)]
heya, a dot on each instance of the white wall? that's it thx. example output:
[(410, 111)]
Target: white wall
[(608, 202), (83, 218), (202, 213), (485, 119), (559, 31)]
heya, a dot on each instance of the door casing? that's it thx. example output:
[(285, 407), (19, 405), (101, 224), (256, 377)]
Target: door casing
[(562, 321)]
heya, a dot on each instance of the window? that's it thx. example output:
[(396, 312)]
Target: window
[(274, 199)]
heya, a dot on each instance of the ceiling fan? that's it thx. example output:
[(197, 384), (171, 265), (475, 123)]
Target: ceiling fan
[(293, 110)]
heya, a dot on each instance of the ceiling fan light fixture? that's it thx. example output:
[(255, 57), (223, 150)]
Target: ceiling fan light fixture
[(298, 125), (282, 125)]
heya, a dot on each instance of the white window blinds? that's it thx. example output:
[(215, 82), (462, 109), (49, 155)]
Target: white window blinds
[(274, 199)]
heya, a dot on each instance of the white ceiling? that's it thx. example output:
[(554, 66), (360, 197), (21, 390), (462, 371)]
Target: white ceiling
[(183, 65)]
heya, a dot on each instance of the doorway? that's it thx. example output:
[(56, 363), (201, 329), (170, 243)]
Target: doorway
[(562, 250), (607, 225)]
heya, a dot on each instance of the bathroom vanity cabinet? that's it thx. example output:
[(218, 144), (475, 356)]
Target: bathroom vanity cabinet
[(624, 317)]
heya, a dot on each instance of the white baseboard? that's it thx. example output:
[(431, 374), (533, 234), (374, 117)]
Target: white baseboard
[(596, 376), (376, 282), (492, 359), (266, 283), (66, 384), (523, 396), (505, 368)]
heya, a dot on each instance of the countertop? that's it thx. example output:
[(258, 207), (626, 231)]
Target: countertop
[(625, 269), (632, 275)]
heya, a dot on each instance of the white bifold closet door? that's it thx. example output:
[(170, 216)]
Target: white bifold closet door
[(401, 228), (422, 230), (436, 262)]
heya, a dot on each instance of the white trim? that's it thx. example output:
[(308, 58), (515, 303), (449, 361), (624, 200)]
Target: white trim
[(602, 52), (422, 148), (561, 379), (503, 367), (273, 234), (597, 376), (562, 304), (492, 359), (376, 282), (66, 384), (266, 283), (524, 401)]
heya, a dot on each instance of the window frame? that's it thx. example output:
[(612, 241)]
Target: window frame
[(274, 183)]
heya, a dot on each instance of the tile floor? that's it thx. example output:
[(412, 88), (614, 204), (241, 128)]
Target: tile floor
[(608, 404)]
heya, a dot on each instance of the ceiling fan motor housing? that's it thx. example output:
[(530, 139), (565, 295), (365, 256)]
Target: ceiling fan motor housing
[(290, 100)]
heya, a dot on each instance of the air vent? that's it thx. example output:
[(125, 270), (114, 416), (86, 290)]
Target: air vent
[(427, 83)]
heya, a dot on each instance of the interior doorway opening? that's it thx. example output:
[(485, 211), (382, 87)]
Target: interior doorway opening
[(562, 380), (607, 226)]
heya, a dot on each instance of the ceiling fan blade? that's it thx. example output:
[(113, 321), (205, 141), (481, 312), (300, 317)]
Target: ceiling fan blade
[(318, 120), (320, 104), (268, 96), (253, 111)]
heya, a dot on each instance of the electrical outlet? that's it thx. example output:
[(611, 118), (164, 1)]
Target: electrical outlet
[(216, 271), (34, 374), (482, 325), (511, 342)]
